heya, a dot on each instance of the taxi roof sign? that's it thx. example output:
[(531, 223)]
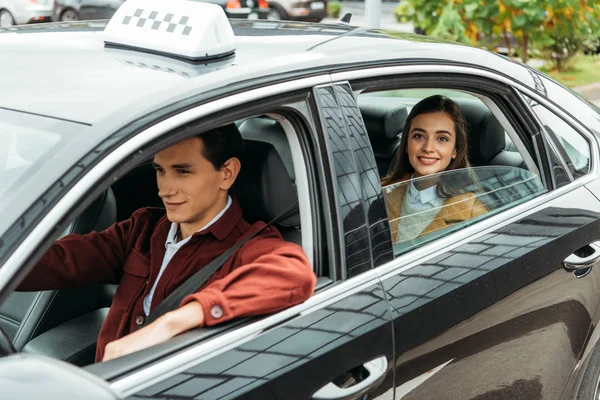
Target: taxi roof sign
[(183, 29)]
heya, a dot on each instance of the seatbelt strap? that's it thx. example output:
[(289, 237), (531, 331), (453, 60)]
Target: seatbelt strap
[(195, 282)]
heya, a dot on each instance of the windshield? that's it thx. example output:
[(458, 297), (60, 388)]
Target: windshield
[(29, 144), (424, 208)]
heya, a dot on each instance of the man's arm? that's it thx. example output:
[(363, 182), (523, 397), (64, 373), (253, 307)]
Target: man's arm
[(273, 275), (164, 328), (77, 260)]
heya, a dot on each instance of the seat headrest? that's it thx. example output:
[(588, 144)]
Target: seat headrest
[(269, 131), (264, 187), (384, 118), (485, 135)]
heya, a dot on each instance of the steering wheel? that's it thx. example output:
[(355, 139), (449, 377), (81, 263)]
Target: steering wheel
[(6, 346)]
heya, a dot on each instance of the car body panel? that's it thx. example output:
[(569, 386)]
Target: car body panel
[(521, 303), (294, 359)]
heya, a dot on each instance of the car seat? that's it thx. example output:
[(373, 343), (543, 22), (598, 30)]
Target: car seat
[(486, 136), (265, 186)]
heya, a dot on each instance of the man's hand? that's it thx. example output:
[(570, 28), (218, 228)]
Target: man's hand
[(171, 324)]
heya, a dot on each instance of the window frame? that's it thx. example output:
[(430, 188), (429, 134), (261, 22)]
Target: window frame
[(86, 184), (412, 75), (299, 129), (497, 112), (498, 100), (326, 292), (493, 94), (556, 148)]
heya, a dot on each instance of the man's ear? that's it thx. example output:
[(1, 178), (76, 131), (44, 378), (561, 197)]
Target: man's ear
[(230, 170)]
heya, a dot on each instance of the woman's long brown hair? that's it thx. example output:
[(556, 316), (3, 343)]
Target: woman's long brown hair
[(431, 104)]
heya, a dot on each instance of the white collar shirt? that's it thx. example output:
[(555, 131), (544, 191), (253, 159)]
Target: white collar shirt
[(172, 245), (419, 208), (423, 197)]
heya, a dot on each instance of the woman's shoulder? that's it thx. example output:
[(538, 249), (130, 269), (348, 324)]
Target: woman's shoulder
[(468, 197), (468, 201)]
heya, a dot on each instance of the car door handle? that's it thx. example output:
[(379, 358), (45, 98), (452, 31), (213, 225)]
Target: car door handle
[(376, 368), (587, 257)]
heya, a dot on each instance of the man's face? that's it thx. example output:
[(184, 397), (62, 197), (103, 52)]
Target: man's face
[(192, 190)]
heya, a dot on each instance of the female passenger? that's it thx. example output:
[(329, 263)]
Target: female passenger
[(434, 140)]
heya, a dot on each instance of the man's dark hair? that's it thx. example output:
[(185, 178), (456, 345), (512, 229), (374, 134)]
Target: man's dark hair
[(221, 144)]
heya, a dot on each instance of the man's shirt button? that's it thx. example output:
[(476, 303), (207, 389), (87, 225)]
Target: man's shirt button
[(139, 320), (216, 312)]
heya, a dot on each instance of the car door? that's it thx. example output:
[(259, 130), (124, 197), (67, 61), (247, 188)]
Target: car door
[(502, 308), (508, 324)]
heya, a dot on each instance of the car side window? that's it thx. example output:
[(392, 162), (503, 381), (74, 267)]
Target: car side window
[(426, 208), (571, 145), (445, 161)]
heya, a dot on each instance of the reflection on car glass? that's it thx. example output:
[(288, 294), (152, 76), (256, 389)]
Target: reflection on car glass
[(421, 206), (168, 65), (22, 148), (29, 152), (573, 147)]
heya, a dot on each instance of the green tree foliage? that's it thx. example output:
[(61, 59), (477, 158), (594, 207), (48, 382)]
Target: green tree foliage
[(334, 8), (558, 29)]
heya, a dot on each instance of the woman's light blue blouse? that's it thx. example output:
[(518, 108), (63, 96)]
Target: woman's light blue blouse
[(419, 209)]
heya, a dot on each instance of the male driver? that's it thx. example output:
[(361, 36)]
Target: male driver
[(151, 253)]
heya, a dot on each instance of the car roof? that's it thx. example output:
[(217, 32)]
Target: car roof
[(65, 71)]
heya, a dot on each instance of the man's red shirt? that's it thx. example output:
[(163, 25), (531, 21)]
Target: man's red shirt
[(264, 276)]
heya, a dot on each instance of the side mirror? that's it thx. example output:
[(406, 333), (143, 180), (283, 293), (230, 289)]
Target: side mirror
[(6, 346), (32, 377)]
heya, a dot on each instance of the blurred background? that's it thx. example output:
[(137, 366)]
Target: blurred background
[(559, 37)]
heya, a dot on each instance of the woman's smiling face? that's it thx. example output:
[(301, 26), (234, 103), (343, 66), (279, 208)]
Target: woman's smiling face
[(431, 144)]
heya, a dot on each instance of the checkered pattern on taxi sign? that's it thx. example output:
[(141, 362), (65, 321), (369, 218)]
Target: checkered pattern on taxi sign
[(158, 21)]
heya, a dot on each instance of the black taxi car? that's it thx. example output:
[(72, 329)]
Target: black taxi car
[(502, 306)]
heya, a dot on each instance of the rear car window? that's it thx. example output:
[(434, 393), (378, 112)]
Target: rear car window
[(423, 209)]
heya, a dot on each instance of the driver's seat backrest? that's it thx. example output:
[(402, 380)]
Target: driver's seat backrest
[(25, 315), (265, 186)]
